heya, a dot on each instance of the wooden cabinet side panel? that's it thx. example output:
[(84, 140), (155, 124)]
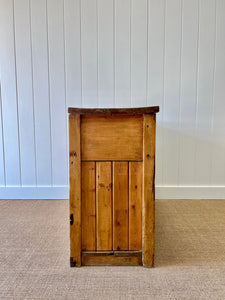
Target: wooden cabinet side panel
[(111, 138), (148, 217), (135, 205), (120, 206), (75, 189), (104, 205), (88, 211)]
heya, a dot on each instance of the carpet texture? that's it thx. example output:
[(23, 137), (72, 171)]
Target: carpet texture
[(189, 255)]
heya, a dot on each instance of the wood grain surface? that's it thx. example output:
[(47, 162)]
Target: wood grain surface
[(88, 206), (120, 206), (104, 205), (111, 137), (75, 189), (135, 205), (148, 191)]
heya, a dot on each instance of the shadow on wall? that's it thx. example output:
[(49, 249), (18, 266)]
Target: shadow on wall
[(189, 157)]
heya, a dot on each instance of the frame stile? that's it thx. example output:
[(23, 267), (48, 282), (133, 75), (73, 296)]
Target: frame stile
[(148, 206), (75, 189)]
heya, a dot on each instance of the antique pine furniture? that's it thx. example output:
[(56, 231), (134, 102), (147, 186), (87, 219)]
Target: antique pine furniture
[(112, 194)]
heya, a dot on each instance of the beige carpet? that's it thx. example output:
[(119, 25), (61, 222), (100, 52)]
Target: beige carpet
[(189, 255)]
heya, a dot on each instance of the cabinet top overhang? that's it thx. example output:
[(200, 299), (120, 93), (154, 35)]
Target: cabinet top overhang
[(113, 111)]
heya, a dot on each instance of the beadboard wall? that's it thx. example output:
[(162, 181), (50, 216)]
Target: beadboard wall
[(112, 53)]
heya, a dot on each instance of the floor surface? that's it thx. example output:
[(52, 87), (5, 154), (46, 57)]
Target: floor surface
[(189, 255)]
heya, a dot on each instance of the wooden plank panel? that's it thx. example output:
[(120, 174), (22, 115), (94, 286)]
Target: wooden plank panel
[(218, 153), (57, 91), (138, 52), (156, 41), (111, 137), (148, 217), (112, 259), (120, 206), (173, 15), (72, 52), (104, 205), (9, 95), (88, 210), (41, 92), (105, 53), (135, 205), (2, 155), (25, 92), (188, 89), (75, 189), (122, 53), (89, 53), (205, 92)]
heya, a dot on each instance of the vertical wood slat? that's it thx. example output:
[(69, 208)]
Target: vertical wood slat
[(104, 205), (135, 205), (9, 95), (41, 92), (88, 207), (24, 74), (148, 212), (75, 189), (120, 206), (57, 91)]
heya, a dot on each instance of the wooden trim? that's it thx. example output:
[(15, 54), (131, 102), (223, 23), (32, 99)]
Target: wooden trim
[(112, 252), (148, 206), (75, 189), (98, 160), (112, 258), (112, 111)]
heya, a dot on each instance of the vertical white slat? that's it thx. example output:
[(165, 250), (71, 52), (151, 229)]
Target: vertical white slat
[(72, 52), (41, 91), (57, 91), (155, 76), (156, 45), (2, 154), (139, 13), (106, 53), (9, 94), (122, 53), (218, 150), (89, 53), (172, 91), (205, 91), (25, 92), (188, 91)]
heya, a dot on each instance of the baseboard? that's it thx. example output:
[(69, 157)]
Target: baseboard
[(162, 192), (190, 192), (33, 192)]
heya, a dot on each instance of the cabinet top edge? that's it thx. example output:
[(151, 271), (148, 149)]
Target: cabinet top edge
[(113, 111)]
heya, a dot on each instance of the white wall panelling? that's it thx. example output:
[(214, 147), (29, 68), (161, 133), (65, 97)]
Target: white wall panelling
[(122, 53), (89, 53), (172, 72), (205, 79), (112, 53), (2, 154), (55, 30), (188, 92), (9, 95), (139, 53), (24, 78), (42, 116), (105, 41), (218, 119), (72, 52)]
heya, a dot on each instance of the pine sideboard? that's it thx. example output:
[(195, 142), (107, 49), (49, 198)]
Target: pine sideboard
[(112, 186)]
